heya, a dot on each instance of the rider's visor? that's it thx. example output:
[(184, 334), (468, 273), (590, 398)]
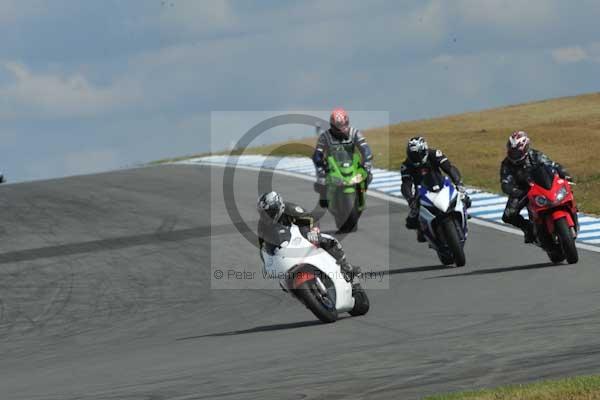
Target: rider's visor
[(417, 156), (516, 155)]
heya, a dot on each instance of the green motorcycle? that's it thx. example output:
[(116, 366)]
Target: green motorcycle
[(346, 188)]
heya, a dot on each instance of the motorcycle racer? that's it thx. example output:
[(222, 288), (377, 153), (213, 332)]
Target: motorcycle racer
[(420, 161), (276, 218), (342, 134), (515, 173)]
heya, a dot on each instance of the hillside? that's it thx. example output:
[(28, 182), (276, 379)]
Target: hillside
[(567, 129)]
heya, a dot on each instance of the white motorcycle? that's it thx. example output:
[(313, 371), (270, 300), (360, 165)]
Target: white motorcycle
[(313, 276)]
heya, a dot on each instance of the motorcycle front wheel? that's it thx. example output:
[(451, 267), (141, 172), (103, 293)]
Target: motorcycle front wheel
[(347, 213), (566, 239), (445, 259), (453, 242), (321, 306), (361, 303)]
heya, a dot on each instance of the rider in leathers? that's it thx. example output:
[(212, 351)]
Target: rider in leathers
[(515, 172), (276, 218), (420, 161), (339, 135)]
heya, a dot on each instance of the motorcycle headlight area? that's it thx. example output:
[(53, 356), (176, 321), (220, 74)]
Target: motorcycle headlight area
[(562, 193), (431, 208), (541, 201), (453, 203)]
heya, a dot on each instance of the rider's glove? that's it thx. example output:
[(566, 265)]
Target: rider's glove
[(313, 235), (367, 166)]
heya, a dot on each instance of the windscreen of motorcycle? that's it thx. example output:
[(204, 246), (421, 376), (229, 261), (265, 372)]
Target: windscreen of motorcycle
[(343, 158), (543, 175), (433, 181)]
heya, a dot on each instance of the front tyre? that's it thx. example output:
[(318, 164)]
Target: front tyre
[(445, 259), (351, 224), (319, 305), (453, 242), (346, 213), (566, 239), (361, 302), (556, 256)]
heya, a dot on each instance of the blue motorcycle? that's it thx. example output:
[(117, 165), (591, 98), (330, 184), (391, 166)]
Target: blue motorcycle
[(443, 218)]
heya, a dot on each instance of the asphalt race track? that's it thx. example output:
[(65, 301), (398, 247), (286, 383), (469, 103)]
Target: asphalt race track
[(105, 293)]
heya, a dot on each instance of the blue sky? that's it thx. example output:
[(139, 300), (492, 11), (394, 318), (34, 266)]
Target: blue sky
[(93, 85)]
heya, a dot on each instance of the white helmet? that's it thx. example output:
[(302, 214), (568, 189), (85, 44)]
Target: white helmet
[(271, 205), (417, 150)]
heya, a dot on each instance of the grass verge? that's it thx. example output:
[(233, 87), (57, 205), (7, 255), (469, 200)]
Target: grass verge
[(578, 388)]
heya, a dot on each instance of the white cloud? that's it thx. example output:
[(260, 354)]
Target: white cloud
[(569, 55), (44, 95), (290, 58), (576, 54)]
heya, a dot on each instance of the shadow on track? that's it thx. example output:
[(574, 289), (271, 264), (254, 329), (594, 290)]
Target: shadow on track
[(407, 270), (501, 270), (264, 328), (416, 269)]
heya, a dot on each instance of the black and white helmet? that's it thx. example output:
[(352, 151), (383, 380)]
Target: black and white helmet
[(417, 150), (271, 205)]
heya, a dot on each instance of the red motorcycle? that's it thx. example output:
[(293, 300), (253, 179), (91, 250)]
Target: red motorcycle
[(553, 211)]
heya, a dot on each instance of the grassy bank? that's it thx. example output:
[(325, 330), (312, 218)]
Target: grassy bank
[(567, 129), (579, 388)]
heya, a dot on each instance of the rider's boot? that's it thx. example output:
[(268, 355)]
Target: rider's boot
[(321, 188), (420, 236), (529, 233), (348, 270)]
